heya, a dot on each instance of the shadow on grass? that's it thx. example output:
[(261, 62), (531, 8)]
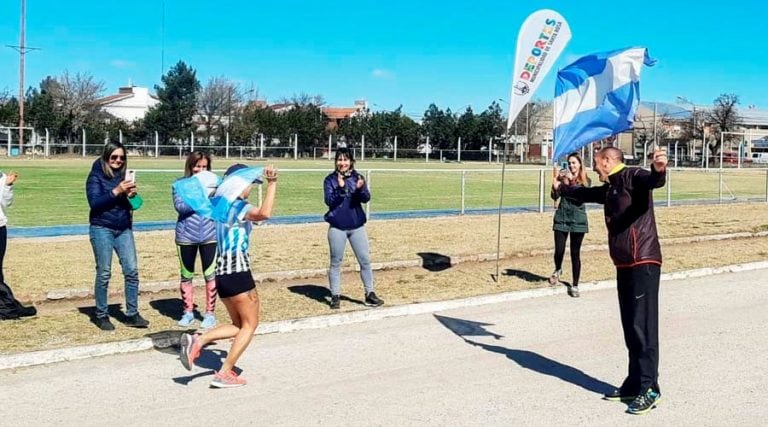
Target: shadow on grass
[(320, 294), (113, 310), (525, 275), (524, 358), (169, 307), (435, 262)]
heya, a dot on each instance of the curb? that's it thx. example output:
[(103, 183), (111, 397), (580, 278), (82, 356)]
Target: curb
[(166, 339), (168, 285)]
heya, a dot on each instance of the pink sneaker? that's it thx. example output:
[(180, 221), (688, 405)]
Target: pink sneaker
[(226, 380), (190, 350)]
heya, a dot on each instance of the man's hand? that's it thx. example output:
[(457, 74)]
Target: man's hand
[(660, 159)]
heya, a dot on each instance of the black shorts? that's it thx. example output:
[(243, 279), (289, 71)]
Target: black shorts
[(229, 285)]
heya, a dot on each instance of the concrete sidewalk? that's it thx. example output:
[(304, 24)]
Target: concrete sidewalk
[(535, 361)]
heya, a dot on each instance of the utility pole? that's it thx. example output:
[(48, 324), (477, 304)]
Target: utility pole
[(22, 49)]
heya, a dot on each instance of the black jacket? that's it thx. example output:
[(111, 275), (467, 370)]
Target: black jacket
[(107, 210), (627, 201)]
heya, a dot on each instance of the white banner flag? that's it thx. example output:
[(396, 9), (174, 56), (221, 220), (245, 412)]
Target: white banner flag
[(542, 38)]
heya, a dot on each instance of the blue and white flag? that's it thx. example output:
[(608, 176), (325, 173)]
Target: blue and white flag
[(231, 188), (596, 97), (197, 191)]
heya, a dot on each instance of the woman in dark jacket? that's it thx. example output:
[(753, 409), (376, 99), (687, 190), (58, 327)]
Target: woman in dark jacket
[(111, 228), (345, 192), (570, 218)]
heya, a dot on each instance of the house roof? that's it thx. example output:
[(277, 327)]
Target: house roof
[(339, 112), (114, 98)]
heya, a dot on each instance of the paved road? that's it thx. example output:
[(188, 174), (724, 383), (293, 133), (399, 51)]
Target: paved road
[(540, 361)]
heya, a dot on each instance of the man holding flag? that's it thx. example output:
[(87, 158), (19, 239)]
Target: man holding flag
[(596, 97)]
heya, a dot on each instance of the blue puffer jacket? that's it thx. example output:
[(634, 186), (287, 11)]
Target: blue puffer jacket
[(192, 228), (107, 210), (345, 210)]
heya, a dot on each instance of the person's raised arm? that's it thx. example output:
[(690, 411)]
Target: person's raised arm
[(658, 174), (260, 213)]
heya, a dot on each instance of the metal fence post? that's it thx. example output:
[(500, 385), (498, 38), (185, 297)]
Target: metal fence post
[(720, 189), (766, 186), (226, 150), (541, 190), (395, 148), (669, 188), (464, 187)]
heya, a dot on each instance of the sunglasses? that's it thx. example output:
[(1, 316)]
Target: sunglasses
[(116, 157)]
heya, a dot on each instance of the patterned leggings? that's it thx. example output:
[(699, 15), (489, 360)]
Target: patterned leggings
[(187, 255)]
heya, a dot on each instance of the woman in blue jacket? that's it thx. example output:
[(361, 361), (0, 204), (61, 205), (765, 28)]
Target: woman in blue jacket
[(195, 233), (111, 228), (345, 192)]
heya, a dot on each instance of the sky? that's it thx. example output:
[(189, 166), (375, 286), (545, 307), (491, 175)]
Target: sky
[(411, 53)]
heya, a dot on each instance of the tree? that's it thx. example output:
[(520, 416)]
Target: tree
[(216, 105), (303, 99), (308, 123), (467, 127), (490, 125), (74, 100), (41, 111), (439, 126), (9, 109), (173, 117), (724, 115)]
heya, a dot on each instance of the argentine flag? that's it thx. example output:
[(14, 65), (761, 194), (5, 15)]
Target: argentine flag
[(596, 97), (210, 196)]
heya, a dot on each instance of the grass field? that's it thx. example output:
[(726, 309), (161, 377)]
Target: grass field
[(52, 192)]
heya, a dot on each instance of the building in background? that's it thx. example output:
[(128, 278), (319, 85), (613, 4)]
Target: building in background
[(129, 104)]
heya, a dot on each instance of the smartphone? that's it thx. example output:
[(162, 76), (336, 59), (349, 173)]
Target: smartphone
[(564, 166), (130, 175)]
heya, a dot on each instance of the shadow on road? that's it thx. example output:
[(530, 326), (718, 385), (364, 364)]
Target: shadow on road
[(524, 358)]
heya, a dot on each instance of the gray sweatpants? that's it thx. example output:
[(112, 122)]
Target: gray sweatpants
[(358, 239)]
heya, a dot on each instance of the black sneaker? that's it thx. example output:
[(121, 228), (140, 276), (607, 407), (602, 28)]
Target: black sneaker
[(25, 311), (104, 324), (371, 300), (335, 302), (136, 321), (573, 291), (616, 395), (644, 403)]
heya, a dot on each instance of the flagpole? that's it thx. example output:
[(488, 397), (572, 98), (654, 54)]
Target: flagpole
[(501, 204)]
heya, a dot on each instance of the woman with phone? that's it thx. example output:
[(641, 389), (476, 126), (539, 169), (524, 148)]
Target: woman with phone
[(195, 233), (345, 192), (111, 229), (570, 219)]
